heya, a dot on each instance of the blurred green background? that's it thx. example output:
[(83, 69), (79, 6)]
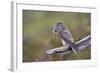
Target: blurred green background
[(38, 36)]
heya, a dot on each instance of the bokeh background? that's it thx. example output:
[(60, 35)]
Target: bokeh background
[(38, 36)]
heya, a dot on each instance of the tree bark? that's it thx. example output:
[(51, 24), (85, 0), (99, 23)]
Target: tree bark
[(81, 45)]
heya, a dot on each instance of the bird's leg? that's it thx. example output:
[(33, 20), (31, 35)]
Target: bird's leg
[(64, 43), (74, 48)]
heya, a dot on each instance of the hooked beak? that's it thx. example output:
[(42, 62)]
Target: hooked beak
[(54, 31)]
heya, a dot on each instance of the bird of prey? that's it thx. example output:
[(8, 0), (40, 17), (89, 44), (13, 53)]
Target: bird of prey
[(65, 36)]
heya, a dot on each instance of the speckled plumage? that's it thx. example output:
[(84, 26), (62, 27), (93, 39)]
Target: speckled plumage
[(65, 35)]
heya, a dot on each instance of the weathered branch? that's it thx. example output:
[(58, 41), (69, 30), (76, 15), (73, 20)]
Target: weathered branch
[(82, 44)]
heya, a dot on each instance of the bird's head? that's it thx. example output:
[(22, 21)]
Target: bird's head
[(58, 27)]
